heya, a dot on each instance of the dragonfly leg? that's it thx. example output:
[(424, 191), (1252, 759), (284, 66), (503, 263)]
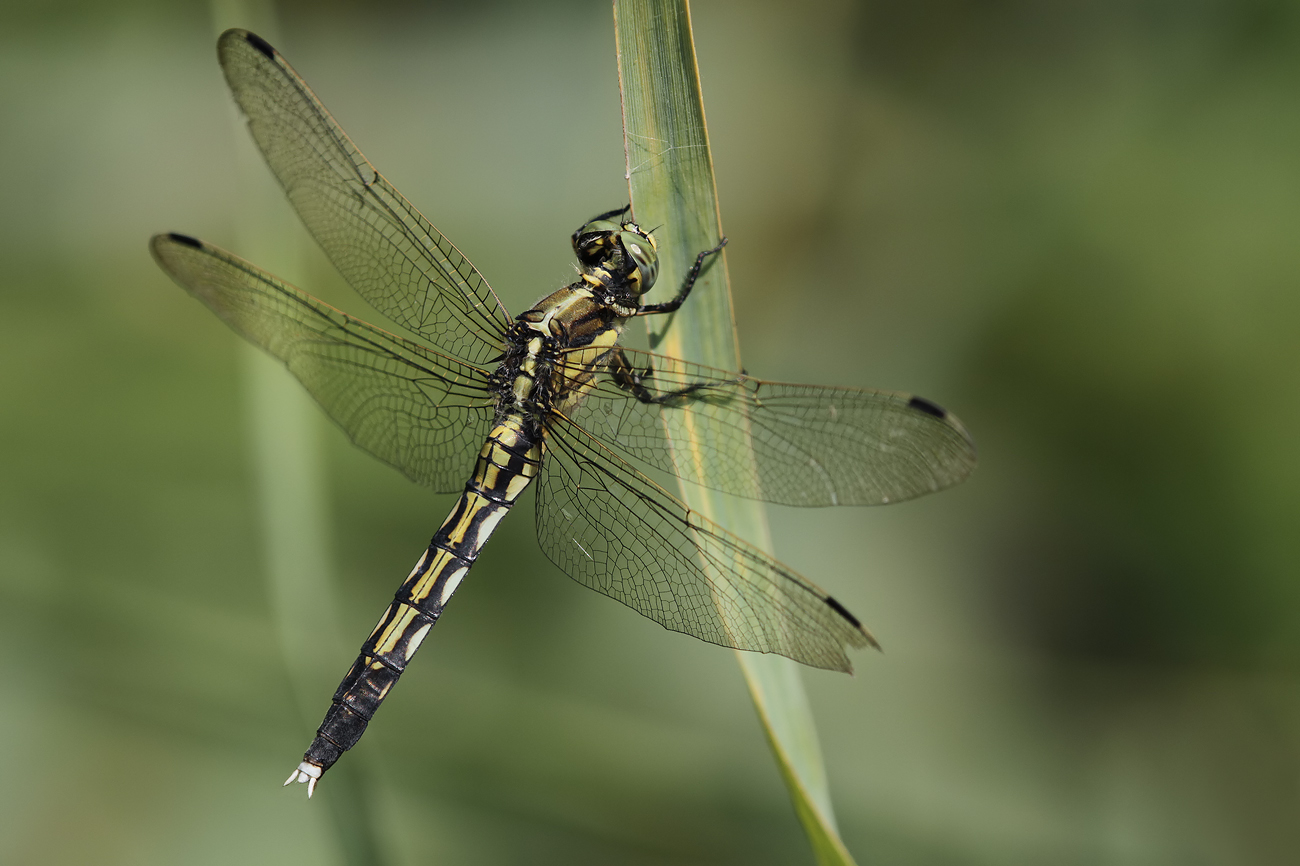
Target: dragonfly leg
[(687, 284), (634, 382), (609, 214)]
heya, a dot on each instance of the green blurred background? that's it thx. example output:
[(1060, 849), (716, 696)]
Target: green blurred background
[(1073, 223)]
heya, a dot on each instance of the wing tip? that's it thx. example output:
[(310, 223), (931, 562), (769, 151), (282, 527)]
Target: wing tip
[(928, 407), (843, 611), (934, 410), (184, 240), (238, 34), (260, 44), (161, 244), (867, 638)]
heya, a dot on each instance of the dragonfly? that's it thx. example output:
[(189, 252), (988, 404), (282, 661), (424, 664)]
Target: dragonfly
[(547, 397)]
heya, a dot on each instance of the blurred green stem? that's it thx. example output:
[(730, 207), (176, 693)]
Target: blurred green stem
[(670, 178)]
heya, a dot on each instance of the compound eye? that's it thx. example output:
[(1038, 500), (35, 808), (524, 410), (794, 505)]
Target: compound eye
[(593, 249), (593, 244), (641, 251)]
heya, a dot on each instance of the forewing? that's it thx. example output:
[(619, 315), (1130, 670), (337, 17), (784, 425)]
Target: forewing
[(783, 443), (422, 412), (382, 245), (614, 530)]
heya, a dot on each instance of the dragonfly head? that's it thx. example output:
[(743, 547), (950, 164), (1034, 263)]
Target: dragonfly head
[(621, 249)]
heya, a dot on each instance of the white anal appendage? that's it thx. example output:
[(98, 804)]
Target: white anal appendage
[(305, 772)]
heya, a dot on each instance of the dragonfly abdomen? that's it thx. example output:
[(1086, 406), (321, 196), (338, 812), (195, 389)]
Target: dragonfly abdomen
[(508, 461)]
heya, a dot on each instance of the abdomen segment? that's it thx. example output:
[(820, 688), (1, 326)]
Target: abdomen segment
[(507, 463)]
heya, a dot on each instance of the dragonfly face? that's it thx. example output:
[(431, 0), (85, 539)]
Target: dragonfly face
[(547, 396), (621, 252)]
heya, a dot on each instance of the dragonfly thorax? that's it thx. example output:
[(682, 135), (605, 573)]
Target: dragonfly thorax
[(552, 350)]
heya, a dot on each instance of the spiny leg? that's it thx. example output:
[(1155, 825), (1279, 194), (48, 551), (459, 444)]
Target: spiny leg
[(634, 381), (611, 213), (687, 284)]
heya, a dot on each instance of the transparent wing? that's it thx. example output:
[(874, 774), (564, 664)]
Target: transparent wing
[(382, 245), (614, 530), (811, 445), (419, 411)]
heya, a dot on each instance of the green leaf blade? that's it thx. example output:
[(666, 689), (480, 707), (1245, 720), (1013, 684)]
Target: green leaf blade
[(671, 183)]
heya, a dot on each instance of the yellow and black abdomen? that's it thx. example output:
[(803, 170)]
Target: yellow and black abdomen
[(552, 354), (506, 465)]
